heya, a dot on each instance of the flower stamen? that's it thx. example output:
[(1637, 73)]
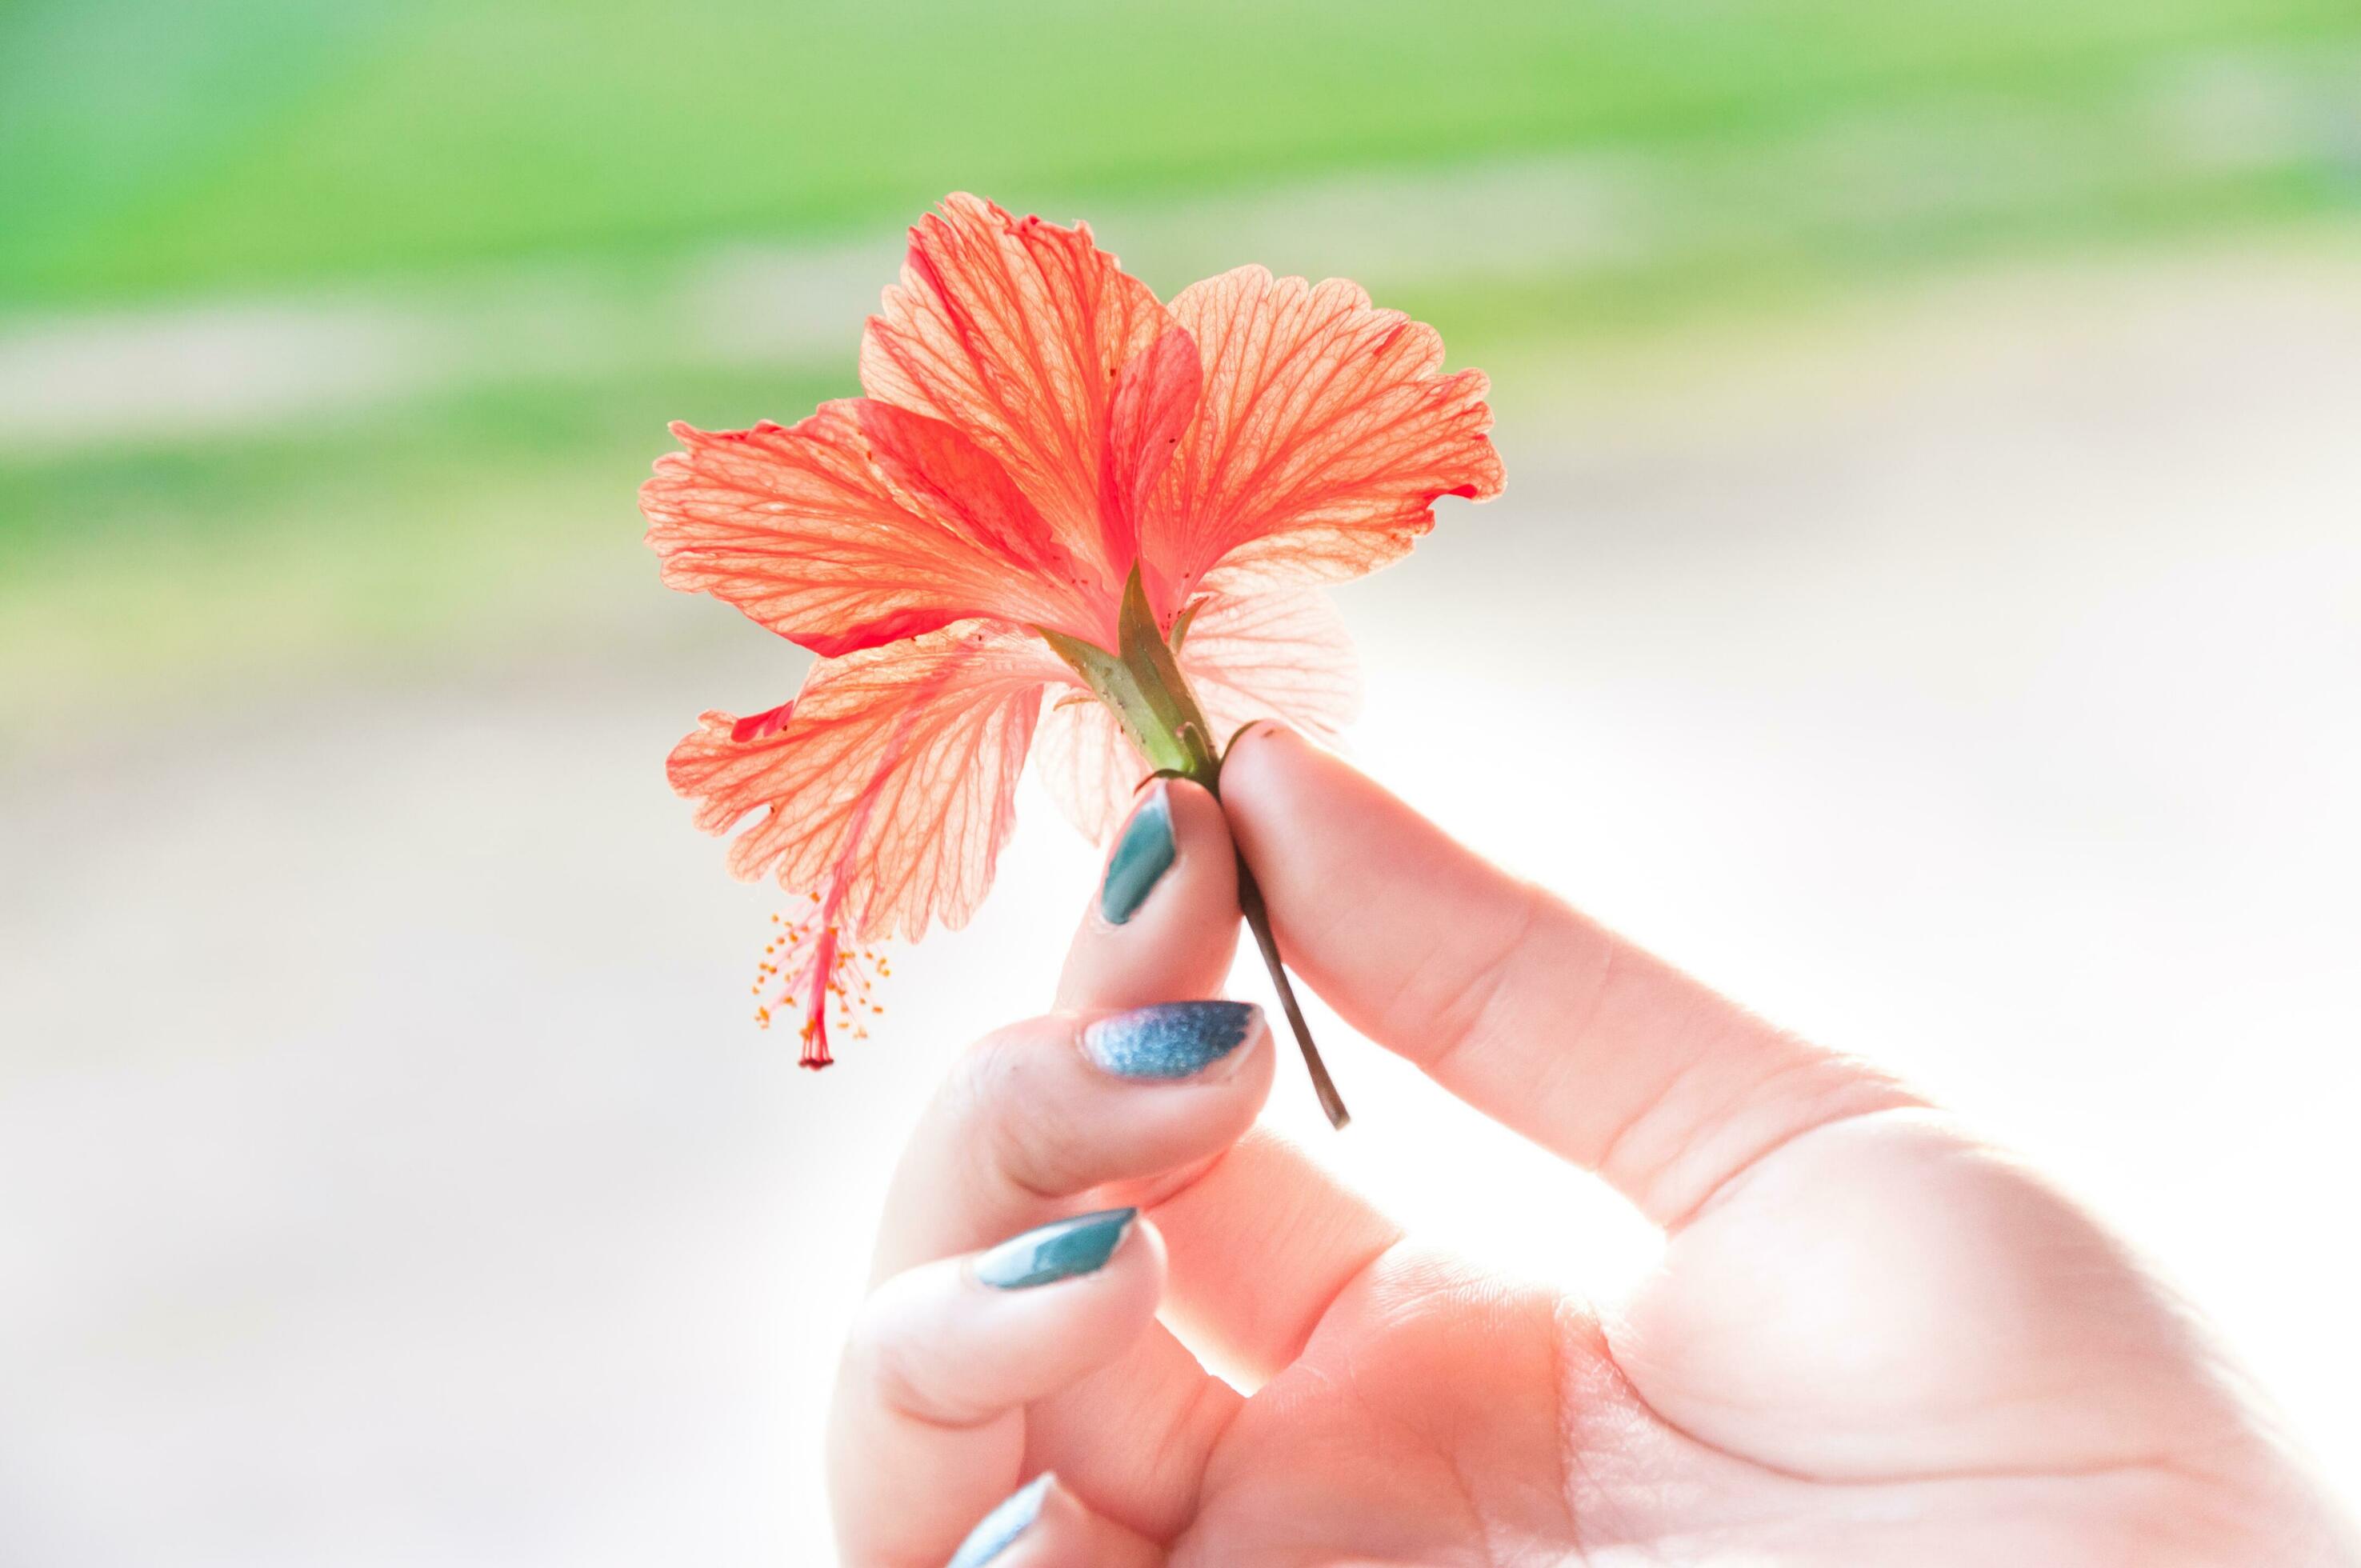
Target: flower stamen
[(808, 970)]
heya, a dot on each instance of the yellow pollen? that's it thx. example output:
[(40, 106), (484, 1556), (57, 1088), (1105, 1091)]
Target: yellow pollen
[(785, 977)]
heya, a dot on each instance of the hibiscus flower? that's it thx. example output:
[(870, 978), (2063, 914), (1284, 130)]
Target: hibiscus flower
[(1065, 518)]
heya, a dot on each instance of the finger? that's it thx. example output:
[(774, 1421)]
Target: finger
[(1515, 1003), (1262, 1244), (1030, 1122), (1163, 921), (1026, 1120), (1263, 1240), (1037, 1121), (1030, 1125), (1042, 1525), (927, 1428)]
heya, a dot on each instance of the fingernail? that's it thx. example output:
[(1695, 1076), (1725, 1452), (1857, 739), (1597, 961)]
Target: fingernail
[(1142, 854), (1001, 1527), (1169, 1040), (1058, 1250)]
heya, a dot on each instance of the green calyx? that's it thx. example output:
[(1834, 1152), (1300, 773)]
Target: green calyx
[(1141, 681)]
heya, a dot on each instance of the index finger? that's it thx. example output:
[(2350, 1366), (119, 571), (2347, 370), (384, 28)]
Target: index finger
[(1519, 1004)]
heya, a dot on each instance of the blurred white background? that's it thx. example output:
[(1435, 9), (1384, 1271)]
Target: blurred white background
[(389, 1174)]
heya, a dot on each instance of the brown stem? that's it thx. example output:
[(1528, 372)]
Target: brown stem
[(1258, 916)]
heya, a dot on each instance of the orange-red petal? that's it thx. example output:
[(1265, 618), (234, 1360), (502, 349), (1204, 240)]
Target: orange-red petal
[(891, 786), (1014, 330), (1325, 433), (857, 526), (1279, 651), (1089, 771), (1155, 399)]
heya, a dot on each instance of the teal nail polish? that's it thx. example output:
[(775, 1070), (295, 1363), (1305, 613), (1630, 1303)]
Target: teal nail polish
[(1058, 1250), (1001, 1527), (1172, 1039), (1141, 855)]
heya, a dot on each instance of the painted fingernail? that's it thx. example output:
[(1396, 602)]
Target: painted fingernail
[(1169, 1040), (1058, 1250), (1142, 854), (1001, 1527)]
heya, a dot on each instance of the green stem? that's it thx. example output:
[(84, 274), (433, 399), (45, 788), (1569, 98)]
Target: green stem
[(1144, 685)]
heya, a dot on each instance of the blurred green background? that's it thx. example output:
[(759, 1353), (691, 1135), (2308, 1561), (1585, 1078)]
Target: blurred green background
[(335, 330)]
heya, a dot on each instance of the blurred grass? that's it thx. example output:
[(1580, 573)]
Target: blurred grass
[(1762, 157), (163, 145), (157, 572)]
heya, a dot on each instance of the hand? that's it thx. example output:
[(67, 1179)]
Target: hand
[(1872, 1340)]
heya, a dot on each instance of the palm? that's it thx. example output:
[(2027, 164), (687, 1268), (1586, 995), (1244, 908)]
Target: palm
[(1437, 1416)]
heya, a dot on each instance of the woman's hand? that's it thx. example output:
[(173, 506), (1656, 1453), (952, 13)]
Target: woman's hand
[(1873, 1339)]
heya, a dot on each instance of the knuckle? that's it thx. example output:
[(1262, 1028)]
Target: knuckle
[(906, 1376), (1462, 992), (1019, 1131), (1033, 1147)]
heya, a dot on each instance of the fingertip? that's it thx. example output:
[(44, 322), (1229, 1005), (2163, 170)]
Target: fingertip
[(1038, 1112), (1202, 849), (1044, 1525), (1098, 1247), (944, 1358), (1162, 921), (1206, 1041), (1254, 737), (1008, 1524), (957, 1342), (1204, 813), (1262, 774), (1315, 828)]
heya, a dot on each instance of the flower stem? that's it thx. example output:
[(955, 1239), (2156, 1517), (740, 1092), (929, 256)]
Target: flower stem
[(1258, 916), (1144, 685), (1208, 772)]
